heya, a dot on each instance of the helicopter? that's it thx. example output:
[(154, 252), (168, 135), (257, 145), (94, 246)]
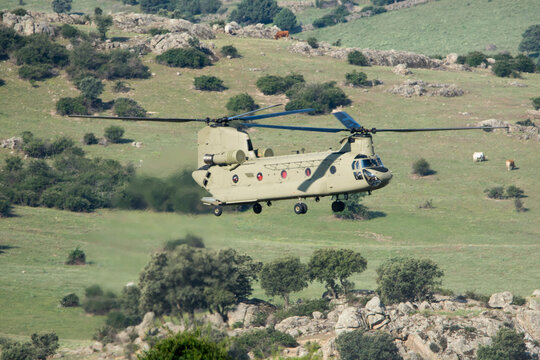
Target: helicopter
[(236, 173)]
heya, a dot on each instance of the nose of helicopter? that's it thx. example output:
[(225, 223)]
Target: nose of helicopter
[(382, 174)]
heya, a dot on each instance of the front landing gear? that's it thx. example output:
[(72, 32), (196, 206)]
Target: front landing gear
[(338, 206), (257, 208), (218, 210), (300, 208)]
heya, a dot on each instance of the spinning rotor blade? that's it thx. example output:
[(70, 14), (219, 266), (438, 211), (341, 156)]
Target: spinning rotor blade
[(139, 118), (264, 116), (251, 112), (347, 120), (374, 130), (301, 128)]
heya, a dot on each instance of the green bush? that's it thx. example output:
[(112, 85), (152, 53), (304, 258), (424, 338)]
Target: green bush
[(189, 240), (513, 191), (357, 58), (231, 51), (312, 42), (421, 167), (323, 98), (271, 84), (39, 49), (354, 209), (407, 279), (208, 83), (105, 335), (374, 9), (496, 192), (504, 68), (357, 79), (90, 87), (123, 64), (36, 148), (70, 300), (157, 31), (255, 11), (90, 139), (13, 163), (241, 103), (117, 320), (114, 133), (71, 106), (2, 82), (99, 304), (524, 63), (528, 122), (358, 345), (187, 345), (35, 72), (536, 103), (129, 303), (93, 291), (286, 20), (5, 208), (475, 58), (76, 257), (506, 344), (19, 12), (9, 41), (61, 6), (469, 294), (531, 39), (262, 343), (69, 32), (120, 87), (338, 15), (190, 58), (304, 309), (128, 108)]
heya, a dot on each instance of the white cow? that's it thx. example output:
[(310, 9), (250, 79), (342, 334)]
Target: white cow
[(478, 156)]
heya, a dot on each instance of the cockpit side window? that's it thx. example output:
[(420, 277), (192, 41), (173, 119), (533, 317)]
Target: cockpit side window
[(250, 145), (379, 161)]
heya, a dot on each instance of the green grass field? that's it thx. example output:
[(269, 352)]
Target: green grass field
[(439, 27), (481, 244)]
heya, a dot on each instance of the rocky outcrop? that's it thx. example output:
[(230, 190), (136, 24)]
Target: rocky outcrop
[(419, 88), (142, 23), (246, 312), (401, 69), (500, 300), (519, 131), (259, 31), (28, 24), (350, 319), (13, 143)]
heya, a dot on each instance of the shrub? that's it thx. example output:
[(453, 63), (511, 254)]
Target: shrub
[(5, 208), (70, 300), (531, 39), (114, 133), (421, 167), (354, 209), (35, 72), (90, 87), (358, 345), (208, 83), (528, 122), (407, 279), (128, 108), (39, 49), (129, 303), (536, 102), (312, 42), (503, 68), (271, 84), (2, 82), (323, 98), (61, 6), (336, 16), (69, 32), (189, 240), (524, 63), (76, 257), (117, 320), (105, 335), (19, 12), (60, 145), (99, 304), (241, 103), (90, 139), (120, 87), (513, 191), (123, 64), (191, 58), (475, 58), (262, 343), (36, 148), (506, 344), (229, 50), (255, 11), (93, 291), (71, 106), (357, 79), (13, 163), (187, 345), (518, 204), (304, 309), (374, 9), (357, 58), (285, 20), (495, 193), (157, 31)]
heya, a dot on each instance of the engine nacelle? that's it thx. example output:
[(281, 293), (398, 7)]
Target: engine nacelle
[(266, 152), (226, 158)]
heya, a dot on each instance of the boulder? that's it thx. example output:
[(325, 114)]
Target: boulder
[(529, 320), (451, 58), (375, 306), (499, 300), (292, 325), (401, 69), (13, 143), (424, 305), (146, 324), (349, 320), (232, 27), (536, 293), (533, 304), (142, 23), (406, 308), (317, 315), (245, 312), (419, 88)]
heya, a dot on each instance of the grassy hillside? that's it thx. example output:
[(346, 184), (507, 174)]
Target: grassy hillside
[(439, 27), (77, 6), (481, 244)]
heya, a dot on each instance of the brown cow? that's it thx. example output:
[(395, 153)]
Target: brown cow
[(510, 165), (281, 34)]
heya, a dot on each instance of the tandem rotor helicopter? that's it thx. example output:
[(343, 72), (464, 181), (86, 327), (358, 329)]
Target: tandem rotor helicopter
[(236, 173)]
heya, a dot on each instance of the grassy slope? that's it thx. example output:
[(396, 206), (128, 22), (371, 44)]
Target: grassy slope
[(439, 27), (77, 6), (481, 244)]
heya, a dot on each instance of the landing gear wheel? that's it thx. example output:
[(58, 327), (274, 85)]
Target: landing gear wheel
[(257, 208), (338, 206), (218, 210), (300, 208)]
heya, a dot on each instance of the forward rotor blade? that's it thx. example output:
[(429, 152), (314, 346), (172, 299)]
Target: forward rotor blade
[(439, 129), (301, 128), (252, 112), (138, 118), (265, 116), (346, 120)]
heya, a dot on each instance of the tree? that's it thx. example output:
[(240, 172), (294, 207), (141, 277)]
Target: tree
[(506, 345), (61, 6), (241, 103), (155, 286), (331, 265), (421, 167), (114, 133), (103, 24), (128, 107), (286, 20), (357, 345), (208, 83), (90, 87), (407, 279), (153, 6), (357, 58), (536, 103), (321, 97), (531, 39), (255, 11), (283, 276)]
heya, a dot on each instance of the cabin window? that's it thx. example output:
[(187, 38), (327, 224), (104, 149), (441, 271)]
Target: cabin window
[(259, 176), (235, 178), (379, 161), (332, 169), (283, 174), (308, 172), (368, 163), (250, 145)]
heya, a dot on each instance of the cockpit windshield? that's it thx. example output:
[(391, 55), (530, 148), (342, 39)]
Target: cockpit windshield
[(366, 163)]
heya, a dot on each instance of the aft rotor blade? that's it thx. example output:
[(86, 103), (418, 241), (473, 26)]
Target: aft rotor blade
[(131, 118), (301, 128), (346, 120), (439, 129), (283, 113), (252, 112)]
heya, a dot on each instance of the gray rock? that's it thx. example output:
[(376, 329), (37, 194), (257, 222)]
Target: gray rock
[(317, 315), (375, 306), (146, 324), (401, 69), (499, 300), (13, 143), (529, 320), (350, 319), (406, 308)]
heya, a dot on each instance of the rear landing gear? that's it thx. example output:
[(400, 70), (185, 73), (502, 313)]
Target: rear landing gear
[(218, 210), (338, 206), (300, 208), (257, 208)]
